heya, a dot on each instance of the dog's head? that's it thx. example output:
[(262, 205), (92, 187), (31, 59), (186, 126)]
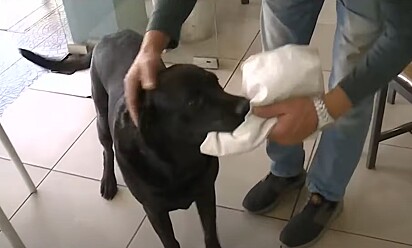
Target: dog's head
[(189, 102)]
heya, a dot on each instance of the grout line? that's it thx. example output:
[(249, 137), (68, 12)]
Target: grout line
[(250, 46), (84, 177), (308, 164), (48, 173), (244, 211), (330, 229), (34, 165), (232, 74), (240, 61), (397, 146), (59, 93), (15, 62), (10, 31), (230, 208), (74, 142), (60, 171), (137, 230), (368, 236), (295, 205), (33, 24), (5, 70)]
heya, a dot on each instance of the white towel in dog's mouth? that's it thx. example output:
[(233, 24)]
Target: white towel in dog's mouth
[(289, 71)]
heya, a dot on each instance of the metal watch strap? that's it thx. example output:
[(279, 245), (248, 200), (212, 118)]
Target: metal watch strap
[(324, 118)]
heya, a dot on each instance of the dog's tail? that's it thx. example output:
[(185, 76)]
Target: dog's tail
[(70, 64)]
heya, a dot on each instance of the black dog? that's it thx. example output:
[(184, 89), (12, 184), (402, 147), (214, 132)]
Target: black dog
[(160, 159)]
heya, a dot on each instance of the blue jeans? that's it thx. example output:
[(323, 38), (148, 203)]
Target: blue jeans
[(340, 146)]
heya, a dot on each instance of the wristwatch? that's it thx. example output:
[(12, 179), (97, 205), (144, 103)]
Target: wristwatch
[(324, 118)]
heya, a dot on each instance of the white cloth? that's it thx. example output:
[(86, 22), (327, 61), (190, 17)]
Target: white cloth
[(289, 71)]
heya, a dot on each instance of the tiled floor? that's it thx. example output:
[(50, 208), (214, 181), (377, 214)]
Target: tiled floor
[(31, 24), (56, 137)]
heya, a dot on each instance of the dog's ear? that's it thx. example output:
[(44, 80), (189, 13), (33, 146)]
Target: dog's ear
[(210, 76)]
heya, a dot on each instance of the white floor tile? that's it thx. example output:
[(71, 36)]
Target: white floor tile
[(8, 49), (69, 212), (85, 157), (255, 48), (13, 190), (235, 229), (43, 125), (77, 84)]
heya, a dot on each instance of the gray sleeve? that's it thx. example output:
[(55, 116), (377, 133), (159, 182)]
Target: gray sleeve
[(168, 17), (390, 54)]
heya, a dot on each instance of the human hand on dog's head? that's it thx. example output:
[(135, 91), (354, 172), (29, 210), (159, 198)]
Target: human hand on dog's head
[(141, 75), (143, 71)]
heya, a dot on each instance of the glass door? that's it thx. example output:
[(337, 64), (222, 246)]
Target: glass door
[(215, 30)]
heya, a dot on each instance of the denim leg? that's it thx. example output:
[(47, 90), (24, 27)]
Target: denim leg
[(285, 22), (341, 145)]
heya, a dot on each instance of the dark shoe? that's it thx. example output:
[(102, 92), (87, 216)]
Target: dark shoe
[(265, 195), (307, 227)]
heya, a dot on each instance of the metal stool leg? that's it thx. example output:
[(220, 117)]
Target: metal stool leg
[(11, 234), (391, 95), (377, 119), (16, 160)]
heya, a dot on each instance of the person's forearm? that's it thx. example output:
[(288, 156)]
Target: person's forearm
[(168, 17), (154, 42), (390, 54)]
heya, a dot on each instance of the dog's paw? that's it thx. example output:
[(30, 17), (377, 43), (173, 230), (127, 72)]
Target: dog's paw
[(108, 187)]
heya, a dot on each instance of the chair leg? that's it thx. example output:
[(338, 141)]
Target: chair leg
[(391, 95), (9, 231), (16, 160), (377, 119), (244, 1)]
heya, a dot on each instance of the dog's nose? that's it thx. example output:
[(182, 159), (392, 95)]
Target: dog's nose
[(242, 107)]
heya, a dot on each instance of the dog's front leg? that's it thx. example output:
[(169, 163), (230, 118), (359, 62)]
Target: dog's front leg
[(206, 206), (108, 184), (163, 227)]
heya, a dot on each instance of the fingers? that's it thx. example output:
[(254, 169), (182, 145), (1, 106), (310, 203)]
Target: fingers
[(132, 87), (148, 77), (278, 131), (141, 75), (269, 111)]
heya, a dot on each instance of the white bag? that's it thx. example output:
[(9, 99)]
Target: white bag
[(289, 71)]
